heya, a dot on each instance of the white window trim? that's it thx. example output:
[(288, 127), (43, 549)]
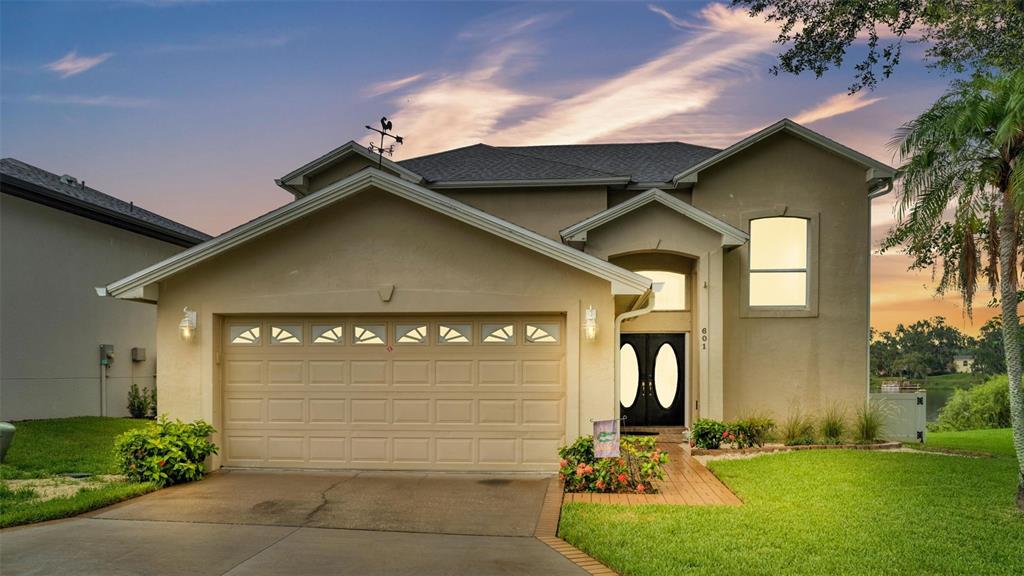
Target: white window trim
[(809, 310)]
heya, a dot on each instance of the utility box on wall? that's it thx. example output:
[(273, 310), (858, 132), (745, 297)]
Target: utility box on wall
[(904, 414)]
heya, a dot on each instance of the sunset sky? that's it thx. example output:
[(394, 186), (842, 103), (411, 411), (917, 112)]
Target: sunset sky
[(192, 108)]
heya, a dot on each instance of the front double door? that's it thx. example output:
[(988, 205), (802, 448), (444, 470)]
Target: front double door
[(652, 376)]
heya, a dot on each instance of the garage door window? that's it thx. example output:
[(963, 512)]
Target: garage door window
[(245, 334), (498, 333), (328, 334), (542, 333), (411, 334), (454, 333), (369, 334), (286, 334)]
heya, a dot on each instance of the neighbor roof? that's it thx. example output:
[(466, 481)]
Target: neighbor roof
[(33, 183), (135, 286), (599, 163)]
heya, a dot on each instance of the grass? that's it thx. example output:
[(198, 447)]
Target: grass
[(998, 442), (50, 448), (827, 512)]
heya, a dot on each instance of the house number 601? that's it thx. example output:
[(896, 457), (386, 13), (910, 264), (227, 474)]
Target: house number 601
[(703, 338)]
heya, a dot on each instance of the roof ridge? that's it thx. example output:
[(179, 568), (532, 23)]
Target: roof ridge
[(439, 152), (595, 144), (550, 161)]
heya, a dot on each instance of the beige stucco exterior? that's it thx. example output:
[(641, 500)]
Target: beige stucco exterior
[(336, 261), (52, 321), (378, 254), (772, 364)]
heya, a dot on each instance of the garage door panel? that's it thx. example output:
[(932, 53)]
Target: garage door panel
[(327, 372), (418, 405)]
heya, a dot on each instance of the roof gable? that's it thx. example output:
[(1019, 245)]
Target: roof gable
[(139, 285), (731, 236), (297, 180), (875, 170)]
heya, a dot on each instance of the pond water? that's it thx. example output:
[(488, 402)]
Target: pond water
[(937, 399)]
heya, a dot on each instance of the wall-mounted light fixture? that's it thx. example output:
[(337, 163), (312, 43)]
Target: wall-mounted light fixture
[(590, 323), (187, 326)]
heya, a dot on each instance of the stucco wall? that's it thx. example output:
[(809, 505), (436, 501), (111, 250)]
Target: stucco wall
[(52, 322), (543, 210), (774, 363), (657, 228), (334, 261)]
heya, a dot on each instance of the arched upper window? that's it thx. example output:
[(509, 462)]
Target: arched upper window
[(669, 289), (778, 262)]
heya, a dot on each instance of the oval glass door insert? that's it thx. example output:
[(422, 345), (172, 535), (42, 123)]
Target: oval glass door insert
[(666, 375), (629, 375)]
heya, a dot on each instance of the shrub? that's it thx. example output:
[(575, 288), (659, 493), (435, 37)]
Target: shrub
[(869, 421), (152, 403), (639, 464), (750, 431), (707, 433), (986, 405), (833, 425), (165, 452), (140, 402), (798, 429)]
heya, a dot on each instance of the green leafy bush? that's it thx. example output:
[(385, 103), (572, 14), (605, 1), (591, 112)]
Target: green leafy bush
[(707, 433), (165, 452), (869, 421), (140, 402), (832, 426), (798, 429), (639, 464), (986, 405)]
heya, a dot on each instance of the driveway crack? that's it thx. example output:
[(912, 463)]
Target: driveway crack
[(323, 498)]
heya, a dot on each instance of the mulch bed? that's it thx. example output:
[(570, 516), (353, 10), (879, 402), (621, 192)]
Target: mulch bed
[(781, 448)]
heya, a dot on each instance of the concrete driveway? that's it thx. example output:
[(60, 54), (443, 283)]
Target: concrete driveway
[(246, 522)]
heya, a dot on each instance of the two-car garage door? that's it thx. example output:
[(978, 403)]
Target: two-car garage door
[(431, 392)]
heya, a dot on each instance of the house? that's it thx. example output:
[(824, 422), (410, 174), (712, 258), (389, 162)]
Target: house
[(963, 363), (476, 308), (58, 240)]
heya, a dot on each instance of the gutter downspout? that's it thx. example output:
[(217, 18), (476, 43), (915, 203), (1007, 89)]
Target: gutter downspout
[(645, 309), (875, 192)]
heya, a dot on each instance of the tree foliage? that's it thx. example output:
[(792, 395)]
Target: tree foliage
[(919, 350), (959, 35)]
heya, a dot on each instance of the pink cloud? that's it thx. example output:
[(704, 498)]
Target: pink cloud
[(72, 64)]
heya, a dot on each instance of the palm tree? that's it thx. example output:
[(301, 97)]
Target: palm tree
[(960, 203)]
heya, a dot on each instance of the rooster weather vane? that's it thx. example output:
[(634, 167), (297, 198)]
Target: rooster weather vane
[(385, 131)]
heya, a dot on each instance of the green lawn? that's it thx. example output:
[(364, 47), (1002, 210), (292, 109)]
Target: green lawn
[(50, 448), (827, 512)]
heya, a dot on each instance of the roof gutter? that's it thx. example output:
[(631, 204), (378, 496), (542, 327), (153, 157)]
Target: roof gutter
[(628, 315), (880, 189)]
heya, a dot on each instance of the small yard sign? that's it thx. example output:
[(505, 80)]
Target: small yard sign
[(606, 438)]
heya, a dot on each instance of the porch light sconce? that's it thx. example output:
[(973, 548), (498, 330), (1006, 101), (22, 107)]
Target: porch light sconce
[(187, 326), (590, 324)]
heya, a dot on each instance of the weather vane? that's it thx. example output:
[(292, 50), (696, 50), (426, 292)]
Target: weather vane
[(385, 125)]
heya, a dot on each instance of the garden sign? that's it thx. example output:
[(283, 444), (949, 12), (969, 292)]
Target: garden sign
[(606, 438)]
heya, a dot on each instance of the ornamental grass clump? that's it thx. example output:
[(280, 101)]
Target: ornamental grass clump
[(798, 429), (832, 426), (639, 464), (165, 452), (869, 421)]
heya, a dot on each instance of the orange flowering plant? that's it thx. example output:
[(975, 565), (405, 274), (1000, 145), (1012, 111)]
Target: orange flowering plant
[(639, 464)]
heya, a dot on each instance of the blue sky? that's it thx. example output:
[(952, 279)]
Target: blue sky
[(191, 109)]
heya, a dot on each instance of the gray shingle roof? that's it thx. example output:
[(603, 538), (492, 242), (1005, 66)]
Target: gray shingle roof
[(36, 180), (641, 162), (481, 162)]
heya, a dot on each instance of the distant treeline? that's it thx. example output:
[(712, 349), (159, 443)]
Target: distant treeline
[(928, 347)]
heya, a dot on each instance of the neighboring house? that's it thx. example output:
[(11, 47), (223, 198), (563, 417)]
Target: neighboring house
[(963, 363), (59, 239), (466, 310)]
